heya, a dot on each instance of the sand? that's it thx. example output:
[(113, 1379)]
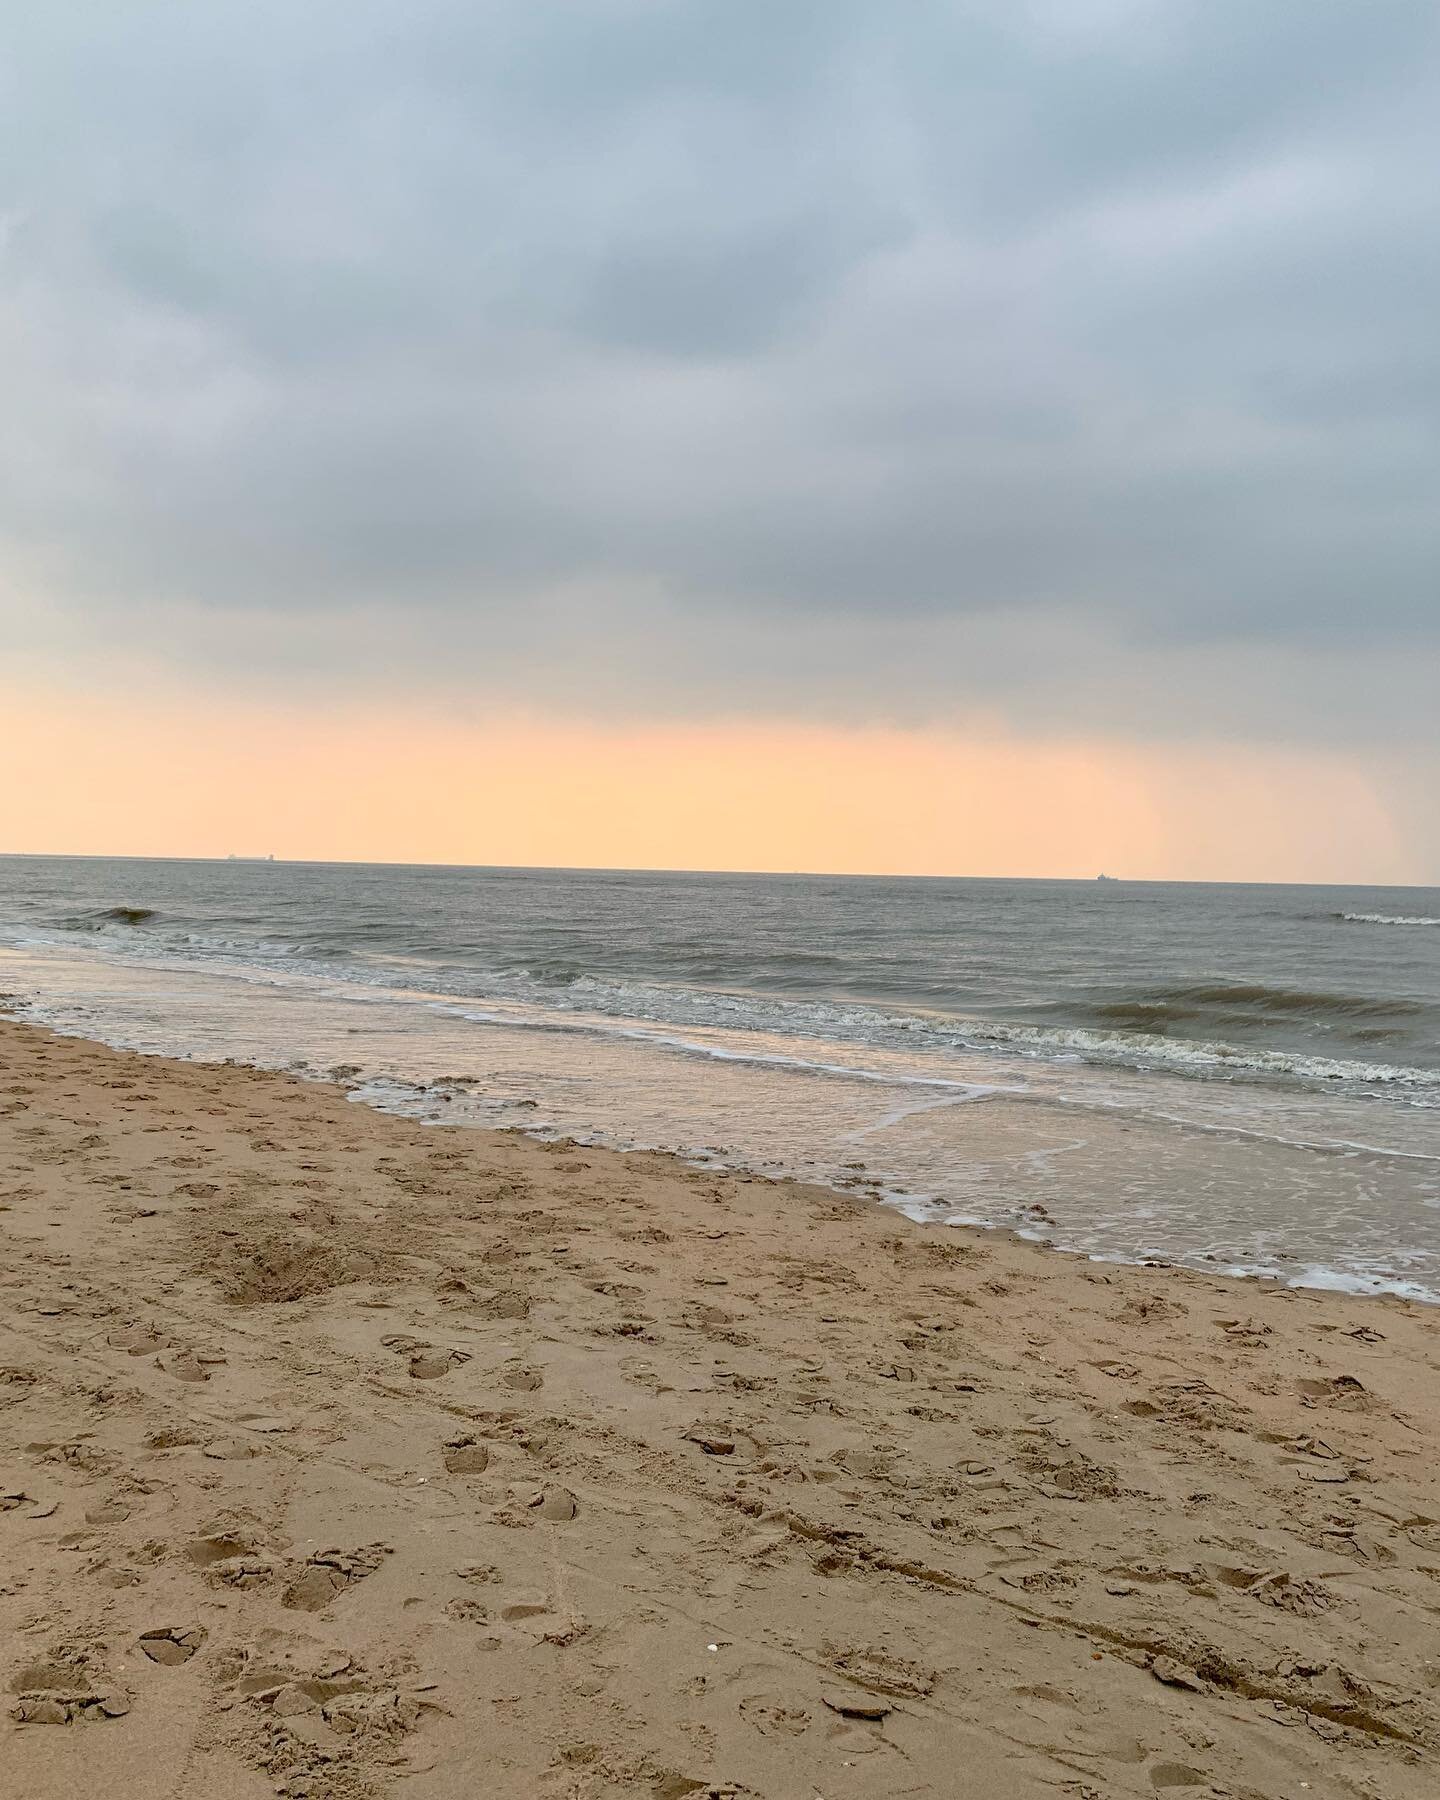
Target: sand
[(344, 1456)]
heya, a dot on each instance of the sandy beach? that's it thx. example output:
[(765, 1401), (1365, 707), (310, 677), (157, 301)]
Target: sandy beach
[(346, 1457)]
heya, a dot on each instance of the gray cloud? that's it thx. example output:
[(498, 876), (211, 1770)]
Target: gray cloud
[(1076, 359)]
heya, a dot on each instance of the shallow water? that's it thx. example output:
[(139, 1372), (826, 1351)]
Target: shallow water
[(1235, 1077)]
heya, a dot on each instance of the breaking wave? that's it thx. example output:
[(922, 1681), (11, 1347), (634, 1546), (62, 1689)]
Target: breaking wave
[(1190, 1056), (1155, 1008), (1385, 919), (110, 915)]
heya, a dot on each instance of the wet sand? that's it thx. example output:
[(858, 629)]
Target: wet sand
[(342, 1456)]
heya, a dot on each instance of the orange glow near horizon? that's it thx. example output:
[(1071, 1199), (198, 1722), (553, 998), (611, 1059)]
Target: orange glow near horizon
[(189, 778)]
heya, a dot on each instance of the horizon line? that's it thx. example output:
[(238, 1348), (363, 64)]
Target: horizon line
[(270, 861)]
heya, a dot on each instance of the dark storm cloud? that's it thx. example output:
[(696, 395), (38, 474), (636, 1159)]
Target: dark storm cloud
[(1044, 353)]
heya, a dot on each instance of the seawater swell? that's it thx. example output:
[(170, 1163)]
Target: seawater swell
[(1264, 999), (614, 1007), (110, 915), (1214, 1012)]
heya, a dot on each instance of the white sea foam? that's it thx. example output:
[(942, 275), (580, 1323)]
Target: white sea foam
[(1337, 1281), (1191, 1056), (1386, 919), (953, 1089)]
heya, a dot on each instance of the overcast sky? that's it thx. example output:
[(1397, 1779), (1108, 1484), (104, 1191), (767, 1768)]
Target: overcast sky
[(1073, 360)]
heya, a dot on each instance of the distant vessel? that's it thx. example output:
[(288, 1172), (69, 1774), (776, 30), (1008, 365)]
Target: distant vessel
[(1098, 877), (233, 858)]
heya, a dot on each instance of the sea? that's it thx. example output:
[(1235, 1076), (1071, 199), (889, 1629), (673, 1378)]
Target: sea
[(1235, 1078)]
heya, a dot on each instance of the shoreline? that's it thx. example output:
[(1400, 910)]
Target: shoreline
[(1110, 1209), (446, 1458)]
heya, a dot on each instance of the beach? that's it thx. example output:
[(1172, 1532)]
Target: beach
[(345, 1455), (719, 903)]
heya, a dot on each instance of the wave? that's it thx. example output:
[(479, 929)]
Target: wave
[(1184, 1057), (1191, 1056), (634, 1009), (1203, 1028), (1156, 1007), (1385, 919), (110, 915), (963, 1090)]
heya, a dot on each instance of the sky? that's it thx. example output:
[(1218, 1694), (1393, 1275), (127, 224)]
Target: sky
[(995, 437)]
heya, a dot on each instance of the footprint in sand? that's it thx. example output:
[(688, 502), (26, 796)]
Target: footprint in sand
[(329, 1573), (64, 1689), (534, 1617), (1245, 1331), (138, 1340), (881, 1672), (426, 1363), (643, 1374), (188, 1365), (855, 1705), (1176, 1775), (171, 1645), (14, 1497), (713, 1443), (555, 1504), (1344, 1391), (230, 1449), (1347, 1540), (478, 1572), (452, 1289), (171, 1437), (267, 1422), (218, 1547), (868, 1465), (1148, 1309), (115, 1512), (521, 1610), (467, 1612), (684, 1787), (231, 1559), (465, 1455), (331, 1700), (773, 1715)]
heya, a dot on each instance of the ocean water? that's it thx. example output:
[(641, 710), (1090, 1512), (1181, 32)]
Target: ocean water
[(1233, 1077)]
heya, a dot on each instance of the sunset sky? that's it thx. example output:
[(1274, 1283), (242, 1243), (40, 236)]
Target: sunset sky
[(994, 438)]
